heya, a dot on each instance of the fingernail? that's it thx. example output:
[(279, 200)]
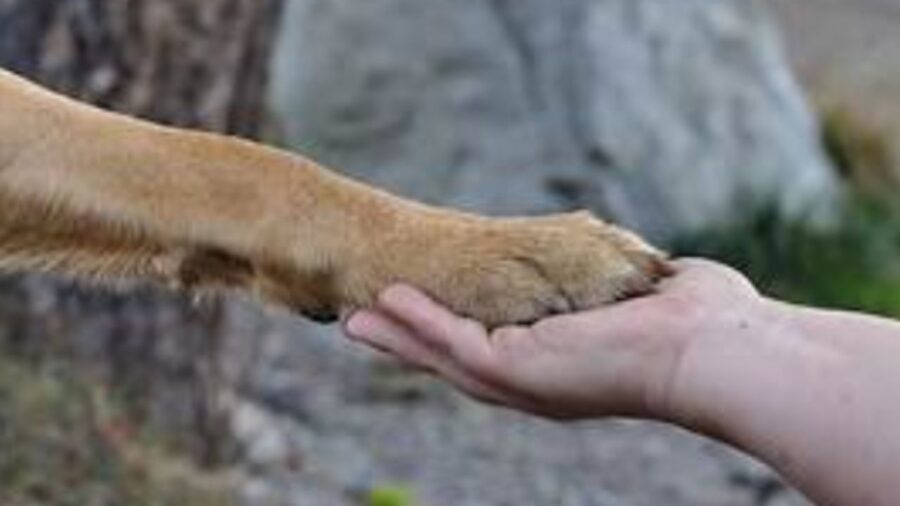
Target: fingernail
[(356, 325), (394, 294), (402, 296)]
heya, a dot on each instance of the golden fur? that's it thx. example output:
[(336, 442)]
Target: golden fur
[(102, 196)]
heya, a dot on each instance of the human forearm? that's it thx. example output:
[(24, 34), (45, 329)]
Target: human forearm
[(811, 392)]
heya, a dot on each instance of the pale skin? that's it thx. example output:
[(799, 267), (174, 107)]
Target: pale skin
[(811, 392)]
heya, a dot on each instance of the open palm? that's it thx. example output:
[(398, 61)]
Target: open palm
[(621, 360)]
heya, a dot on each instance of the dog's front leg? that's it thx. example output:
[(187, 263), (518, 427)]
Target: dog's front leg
[(99, 195)]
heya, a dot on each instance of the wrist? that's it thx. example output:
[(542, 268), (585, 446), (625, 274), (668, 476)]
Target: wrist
[(733, 372)]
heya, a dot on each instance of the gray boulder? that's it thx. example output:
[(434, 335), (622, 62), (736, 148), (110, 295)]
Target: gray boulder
[(667, 116)]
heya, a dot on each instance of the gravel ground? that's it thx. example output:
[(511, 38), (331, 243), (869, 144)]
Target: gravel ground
[(329, 421)]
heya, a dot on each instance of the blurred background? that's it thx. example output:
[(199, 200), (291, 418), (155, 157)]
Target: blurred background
[(762, 133)]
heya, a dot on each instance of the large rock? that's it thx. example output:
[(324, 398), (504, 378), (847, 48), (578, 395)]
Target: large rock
[(667, 116)]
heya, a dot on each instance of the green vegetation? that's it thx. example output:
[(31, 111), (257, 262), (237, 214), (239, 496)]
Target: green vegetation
[(63, 444), (390, 496), (855, 265)]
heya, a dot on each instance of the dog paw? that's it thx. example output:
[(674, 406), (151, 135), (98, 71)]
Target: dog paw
[(513, 271)]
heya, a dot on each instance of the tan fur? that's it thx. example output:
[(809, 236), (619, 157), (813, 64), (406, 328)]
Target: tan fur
[(101, 196)]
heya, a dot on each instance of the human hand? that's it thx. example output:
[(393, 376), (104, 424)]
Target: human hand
[(705, 352), (621, 360)]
